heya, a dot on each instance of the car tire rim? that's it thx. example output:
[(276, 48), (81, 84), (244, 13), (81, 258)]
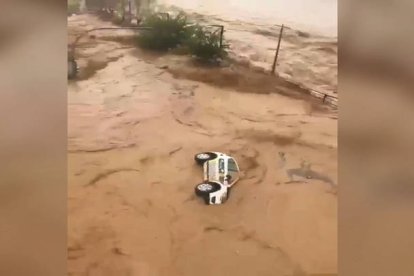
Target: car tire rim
[(203, 156), (205, 187)]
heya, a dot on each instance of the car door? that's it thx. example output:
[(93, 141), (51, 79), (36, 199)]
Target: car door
[(215, 170)]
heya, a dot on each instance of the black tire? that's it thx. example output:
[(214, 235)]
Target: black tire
[(201, 192), (72, 69), (205, 193), (203, 157)]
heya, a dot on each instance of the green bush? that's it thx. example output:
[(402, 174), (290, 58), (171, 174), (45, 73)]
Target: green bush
[(175, 33), (167, 32), (205, 45)]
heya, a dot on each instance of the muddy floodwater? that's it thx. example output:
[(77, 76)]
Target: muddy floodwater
[(316, 16), (308, 51), (135, 122)]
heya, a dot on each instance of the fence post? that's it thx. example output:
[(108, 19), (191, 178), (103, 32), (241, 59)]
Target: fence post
[(277, 49), (221, 33), (221, 36)]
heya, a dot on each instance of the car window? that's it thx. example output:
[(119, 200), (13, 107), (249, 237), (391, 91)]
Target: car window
[(232, 171), (221, 165), (231, 165)]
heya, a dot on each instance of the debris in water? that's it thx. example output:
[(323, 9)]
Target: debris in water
[(174, 151)]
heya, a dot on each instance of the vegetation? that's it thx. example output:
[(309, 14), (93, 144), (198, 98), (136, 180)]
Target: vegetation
[(176, 33), (117, 19), (172, 33), (73, 6), (117, 16), (167, 32), (205, 45)]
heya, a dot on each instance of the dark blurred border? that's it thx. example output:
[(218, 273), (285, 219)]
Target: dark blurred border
[(33, 138), (376, 134)]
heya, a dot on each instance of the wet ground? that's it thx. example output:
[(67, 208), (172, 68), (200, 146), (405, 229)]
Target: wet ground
[(135, 122)]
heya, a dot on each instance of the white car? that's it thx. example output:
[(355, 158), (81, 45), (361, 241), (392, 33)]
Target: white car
[(221, 172)]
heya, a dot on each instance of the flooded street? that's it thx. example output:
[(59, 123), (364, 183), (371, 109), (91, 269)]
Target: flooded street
[(135, 122)]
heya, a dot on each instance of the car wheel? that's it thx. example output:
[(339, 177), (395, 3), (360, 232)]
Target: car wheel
[(202, 157), (204, 189)]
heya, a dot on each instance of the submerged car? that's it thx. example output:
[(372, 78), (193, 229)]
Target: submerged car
[(221, 172)]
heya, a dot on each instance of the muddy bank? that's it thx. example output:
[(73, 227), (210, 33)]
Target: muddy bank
[(134, 126)]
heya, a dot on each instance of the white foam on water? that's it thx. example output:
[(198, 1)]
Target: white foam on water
[(315, 16)]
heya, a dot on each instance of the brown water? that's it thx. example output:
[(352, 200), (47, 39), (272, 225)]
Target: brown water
[(315, 16), (132, 133), (308, 53)]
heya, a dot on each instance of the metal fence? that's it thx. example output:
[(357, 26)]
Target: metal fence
[(326, 98), (280, 34)]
